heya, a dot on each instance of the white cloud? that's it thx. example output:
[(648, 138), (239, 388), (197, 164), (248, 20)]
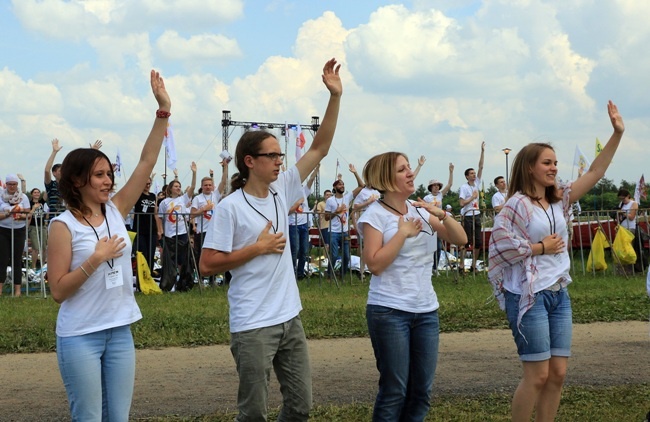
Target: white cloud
[(201, 47)]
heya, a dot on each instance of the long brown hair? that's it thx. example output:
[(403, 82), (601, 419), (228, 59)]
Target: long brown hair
[(76, 170), (250, 143), (521, 179)]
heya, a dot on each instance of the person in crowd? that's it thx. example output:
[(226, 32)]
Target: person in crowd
[(203, 208), (248, 238), (322, 223), (499, 197), (402, 310), (14, 207), (145, 223), (51, 180), (89, 274), (337, 213), (470, 213), (361, 202), (529, 268), (37, 229), (628, 216), (436, 191), (177, 269), (299, 228)]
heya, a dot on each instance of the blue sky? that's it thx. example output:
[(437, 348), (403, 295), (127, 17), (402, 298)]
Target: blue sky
[(426, 77)]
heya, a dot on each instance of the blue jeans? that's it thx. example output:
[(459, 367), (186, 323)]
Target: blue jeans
[(546, 328), (406, 350), (282, 347), (338, 241), (98, 371), (299, 239)]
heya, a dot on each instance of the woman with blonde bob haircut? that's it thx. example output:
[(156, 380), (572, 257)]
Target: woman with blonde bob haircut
[(400, 237), (529, 269)]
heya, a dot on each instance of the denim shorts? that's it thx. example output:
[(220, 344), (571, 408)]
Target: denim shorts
[(545, 329)]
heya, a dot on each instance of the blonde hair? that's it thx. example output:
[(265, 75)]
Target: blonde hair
[(379, 172)]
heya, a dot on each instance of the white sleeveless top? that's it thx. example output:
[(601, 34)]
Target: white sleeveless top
[(94, 307)]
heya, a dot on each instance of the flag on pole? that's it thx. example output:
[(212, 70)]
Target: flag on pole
[(639, 191), (118, 164), (599, 147), (170, 147), (300, 142), (580, 160)]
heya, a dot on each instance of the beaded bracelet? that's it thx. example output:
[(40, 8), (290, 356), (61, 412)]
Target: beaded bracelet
[(162, 114)]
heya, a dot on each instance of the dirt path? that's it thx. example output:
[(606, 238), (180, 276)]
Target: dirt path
[(196, 381)]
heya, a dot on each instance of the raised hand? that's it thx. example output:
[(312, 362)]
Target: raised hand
[(615, 117), (451, 167), (159, 91), (192, 167), (55, 145), (421, 160), (331, 77), (352, 168), (96, 145)]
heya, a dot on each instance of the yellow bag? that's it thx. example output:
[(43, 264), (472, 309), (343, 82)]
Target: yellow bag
[(622, 246), (147, 284), (596, 260)]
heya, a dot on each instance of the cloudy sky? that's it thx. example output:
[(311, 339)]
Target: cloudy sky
[(425, 77)]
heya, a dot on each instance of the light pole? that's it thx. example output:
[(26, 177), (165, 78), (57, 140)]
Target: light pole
[(507, 151)]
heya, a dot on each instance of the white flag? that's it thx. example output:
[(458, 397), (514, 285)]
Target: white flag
[(170, 147), (580, 160), (118, 165), (300, 142)]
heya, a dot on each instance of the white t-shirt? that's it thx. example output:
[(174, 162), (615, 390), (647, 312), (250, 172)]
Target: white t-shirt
[(173, 212), (95, 307), (364, 195), (550, 267), (466, 192), (627, 223), (300, 217), (406, 283), (200, 201), (9, 222), (498, 199), (263, 291), (339, 224), (434, 199)]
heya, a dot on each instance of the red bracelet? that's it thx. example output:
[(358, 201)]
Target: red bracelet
[(162, 114)]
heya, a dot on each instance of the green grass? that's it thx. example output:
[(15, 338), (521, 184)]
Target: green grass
[(621, 403), (201, 318)]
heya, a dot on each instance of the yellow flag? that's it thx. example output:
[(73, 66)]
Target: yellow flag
[(599, 147)]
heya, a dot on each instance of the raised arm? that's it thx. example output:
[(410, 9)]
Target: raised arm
[(23, 183), (126, 197), (190, 189), (421, 162), (479, 172), (323, 139), (446, 189), (310, 182), (224, 176), (47, 174), (598, 167)]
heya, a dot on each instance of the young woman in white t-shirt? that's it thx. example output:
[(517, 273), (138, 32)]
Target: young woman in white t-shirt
[(402, 310), (248, 238), (89, 274), (174, 213), (529, 269)]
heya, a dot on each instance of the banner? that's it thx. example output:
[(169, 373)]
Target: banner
[(639, 191), (300, 142), (170, 147), (580, 160)]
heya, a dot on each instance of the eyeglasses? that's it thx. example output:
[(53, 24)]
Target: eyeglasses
[(272, 155)]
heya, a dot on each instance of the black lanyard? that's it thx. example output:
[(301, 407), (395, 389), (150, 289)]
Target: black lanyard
[(551, 226), (110, 263), (275, 228), (416, 210)]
